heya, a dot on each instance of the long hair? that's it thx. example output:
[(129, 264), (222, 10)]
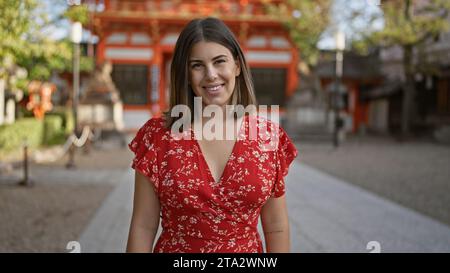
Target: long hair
[(208, 30)]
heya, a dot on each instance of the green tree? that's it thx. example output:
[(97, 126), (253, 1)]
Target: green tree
[(15, 20), (25, 41), (78, 13), (306, 21), (408, 24)]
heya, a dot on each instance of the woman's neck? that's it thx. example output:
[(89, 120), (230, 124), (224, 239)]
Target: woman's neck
[(225, 112), (225, 122)]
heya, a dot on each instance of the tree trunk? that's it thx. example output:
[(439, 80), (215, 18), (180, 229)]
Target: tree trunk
[(2, 101), (408, 90), (408, 86)]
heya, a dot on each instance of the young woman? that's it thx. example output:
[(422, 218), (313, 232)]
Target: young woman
[(210, 193)]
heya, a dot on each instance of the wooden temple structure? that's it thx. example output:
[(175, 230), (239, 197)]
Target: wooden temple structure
[(138, 38)]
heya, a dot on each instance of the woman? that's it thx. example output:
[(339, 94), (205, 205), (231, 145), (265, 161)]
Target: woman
[(209, 192)]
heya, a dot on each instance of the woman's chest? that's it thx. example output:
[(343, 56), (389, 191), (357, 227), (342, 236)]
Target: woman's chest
[(247, 178), (216, 156)]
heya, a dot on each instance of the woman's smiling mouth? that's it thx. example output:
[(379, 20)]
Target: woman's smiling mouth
[(214, 89)]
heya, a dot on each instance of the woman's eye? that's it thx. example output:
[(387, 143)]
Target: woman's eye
[(196, 65), (220, 61)]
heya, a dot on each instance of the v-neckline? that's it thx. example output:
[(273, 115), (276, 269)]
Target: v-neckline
[(233, 150)]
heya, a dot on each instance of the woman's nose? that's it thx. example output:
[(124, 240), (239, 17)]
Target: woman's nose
[(211, 73)]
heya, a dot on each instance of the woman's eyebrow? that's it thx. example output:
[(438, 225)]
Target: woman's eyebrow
[(220, 56), (215, 58)]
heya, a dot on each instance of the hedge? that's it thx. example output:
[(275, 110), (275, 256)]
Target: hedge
[(13, 136), (66, 115), (35, 132), (53, 130)]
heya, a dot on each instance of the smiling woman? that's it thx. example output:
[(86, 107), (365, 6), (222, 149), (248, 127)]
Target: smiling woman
[(212, 72), (210, 193), (207, 56)]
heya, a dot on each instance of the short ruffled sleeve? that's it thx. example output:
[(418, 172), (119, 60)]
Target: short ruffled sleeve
[(285, 154), (145, 147)]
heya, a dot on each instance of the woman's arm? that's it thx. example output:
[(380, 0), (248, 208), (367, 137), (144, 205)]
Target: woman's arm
[(145, 218), (275, 223)]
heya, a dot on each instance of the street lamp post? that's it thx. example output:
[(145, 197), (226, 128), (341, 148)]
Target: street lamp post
[(75, 36), (340, 46)]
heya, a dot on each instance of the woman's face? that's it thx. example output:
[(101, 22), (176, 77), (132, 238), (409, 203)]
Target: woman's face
[(212, 72)]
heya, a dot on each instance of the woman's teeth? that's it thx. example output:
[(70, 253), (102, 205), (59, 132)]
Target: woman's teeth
[(213, 88)]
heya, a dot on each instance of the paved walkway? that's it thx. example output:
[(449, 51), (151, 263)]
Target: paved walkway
[(326, 215), (108, 229), (330, 215)]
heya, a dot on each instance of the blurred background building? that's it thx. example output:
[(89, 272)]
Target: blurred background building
[(430, 62), (138, 38), (432, 81)]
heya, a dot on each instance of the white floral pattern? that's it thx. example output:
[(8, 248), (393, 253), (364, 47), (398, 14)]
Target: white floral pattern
[(198, 214)]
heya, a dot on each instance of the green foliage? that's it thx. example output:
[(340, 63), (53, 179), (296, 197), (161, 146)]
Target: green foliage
[(408, 23), (14, 135), (25, 42), (79, 13), (69, 122), (66, 116), (15, 22), (53, 130), (87, 64), (57, 56), (306, 20)]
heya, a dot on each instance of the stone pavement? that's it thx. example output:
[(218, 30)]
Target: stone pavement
[(326, 215), (330, 215), (108, 229)]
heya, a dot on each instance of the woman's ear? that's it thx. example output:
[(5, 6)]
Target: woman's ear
[(238, 68)]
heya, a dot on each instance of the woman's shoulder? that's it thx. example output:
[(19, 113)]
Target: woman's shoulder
[(153, 130), (270, 134), (271, 124), (154, 125)]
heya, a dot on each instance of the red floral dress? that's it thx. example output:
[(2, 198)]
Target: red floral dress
[(198, 214)]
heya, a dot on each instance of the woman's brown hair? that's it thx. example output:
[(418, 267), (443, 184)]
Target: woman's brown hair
[(208, 30)]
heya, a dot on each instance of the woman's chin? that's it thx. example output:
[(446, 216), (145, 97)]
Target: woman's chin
[(219, 101)]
